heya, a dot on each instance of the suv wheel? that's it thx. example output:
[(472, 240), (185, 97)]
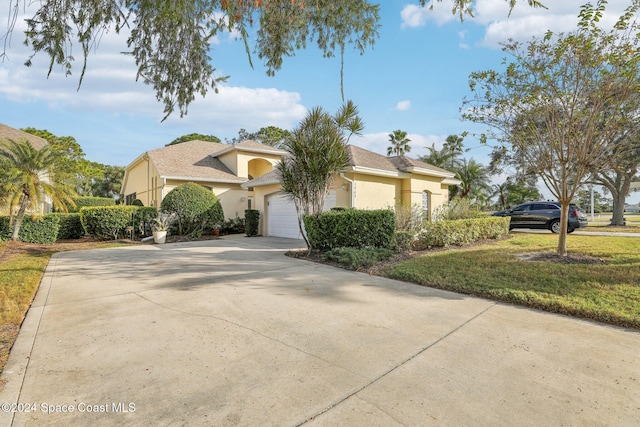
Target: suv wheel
[(554, 226)]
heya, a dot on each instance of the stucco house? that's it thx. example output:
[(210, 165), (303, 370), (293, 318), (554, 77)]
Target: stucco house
[(370, 181), (7, 133), (221, 168), (243, 176)]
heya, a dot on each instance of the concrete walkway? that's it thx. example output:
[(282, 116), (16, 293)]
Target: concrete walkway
[(231, 332)]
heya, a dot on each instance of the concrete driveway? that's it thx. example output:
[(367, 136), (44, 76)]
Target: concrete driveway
[(231, 332)]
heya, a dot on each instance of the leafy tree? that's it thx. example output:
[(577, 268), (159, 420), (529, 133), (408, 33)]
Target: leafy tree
[(243, 135), (171, 40), (564, 101), (28, 175), (109, 183), (317, 152), (192, 137), (71, 164), (399, 143), (271, 135), (600, 202), (618, 175)]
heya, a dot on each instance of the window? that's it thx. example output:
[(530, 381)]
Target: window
[(129, 198)]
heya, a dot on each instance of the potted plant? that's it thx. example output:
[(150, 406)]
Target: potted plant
[(216, 228), (160, 227)]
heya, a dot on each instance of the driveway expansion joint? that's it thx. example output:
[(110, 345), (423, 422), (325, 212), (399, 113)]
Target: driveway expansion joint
[(398, 365)]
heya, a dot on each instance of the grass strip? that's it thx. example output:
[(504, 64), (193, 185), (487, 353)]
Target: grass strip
[(608, 292)]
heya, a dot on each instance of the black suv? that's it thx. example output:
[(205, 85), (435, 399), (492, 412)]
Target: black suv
[(545, 215)]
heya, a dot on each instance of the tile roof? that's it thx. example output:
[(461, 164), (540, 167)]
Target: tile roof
[(362, 158), (193, 159), (9, 133), (403, 163)]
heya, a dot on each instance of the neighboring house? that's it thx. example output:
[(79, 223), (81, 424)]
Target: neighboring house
[(370, 181), (7, 134), (221, 168), (632, 208)]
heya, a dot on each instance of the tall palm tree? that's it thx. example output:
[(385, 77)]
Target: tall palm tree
[(28, 175), (399, 143)]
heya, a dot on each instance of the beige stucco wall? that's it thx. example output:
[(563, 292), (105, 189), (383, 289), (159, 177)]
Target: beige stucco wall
[(375, 192), (148, 190)]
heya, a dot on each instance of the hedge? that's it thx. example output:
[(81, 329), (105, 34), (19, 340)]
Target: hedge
[(461, 231), (351, 228), (85, 201), (107, 222), (42, 230), (70, 226)]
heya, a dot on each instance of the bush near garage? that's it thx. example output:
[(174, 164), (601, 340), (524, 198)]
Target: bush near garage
[(143, 219), (251, 222), (196, 208), (107, 222), (351, 228), (460, 231), (43, 230), (86, 201)]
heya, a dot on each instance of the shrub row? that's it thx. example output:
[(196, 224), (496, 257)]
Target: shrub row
[(70, 226), (351, 228), (84, 201), (461, 231), (40, 230), (107, 222)]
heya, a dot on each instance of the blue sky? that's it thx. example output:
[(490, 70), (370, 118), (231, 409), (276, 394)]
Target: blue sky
[(413, 79)]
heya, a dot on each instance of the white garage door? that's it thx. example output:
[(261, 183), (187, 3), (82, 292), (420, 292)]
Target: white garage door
[(282, 218)]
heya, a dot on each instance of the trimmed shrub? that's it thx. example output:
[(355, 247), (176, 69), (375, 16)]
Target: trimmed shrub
[(85, 201), (355, 259), (42, 230), (461, 231), (70, 226), (195, 208), (251, 222), (351, 228), (137, 202), (107, 222)]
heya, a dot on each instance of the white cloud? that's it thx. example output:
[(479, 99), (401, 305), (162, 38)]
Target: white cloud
[(403, 105), (414, 15), (526, 22)]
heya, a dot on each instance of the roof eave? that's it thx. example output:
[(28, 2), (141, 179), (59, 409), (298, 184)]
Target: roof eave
[(194, 179)]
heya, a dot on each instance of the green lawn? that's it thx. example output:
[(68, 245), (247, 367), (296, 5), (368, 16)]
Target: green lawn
[(607, 292)]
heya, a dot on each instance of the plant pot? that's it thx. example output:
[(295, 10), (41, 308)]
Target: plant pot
[(216, 232), (159, 236)]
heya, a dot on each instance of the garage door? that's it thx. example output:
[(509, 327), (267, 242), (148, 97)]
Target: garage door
[(282, 218)]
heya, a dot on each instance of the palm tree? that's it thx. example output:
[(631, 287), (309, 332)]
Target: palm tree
[(399, 143), (28, 175), (474, 176), (317, 151)]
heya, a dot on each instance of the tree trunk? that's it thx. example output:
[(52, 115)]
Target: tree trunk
[(24, 203), (618, 209), (564, 217)]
